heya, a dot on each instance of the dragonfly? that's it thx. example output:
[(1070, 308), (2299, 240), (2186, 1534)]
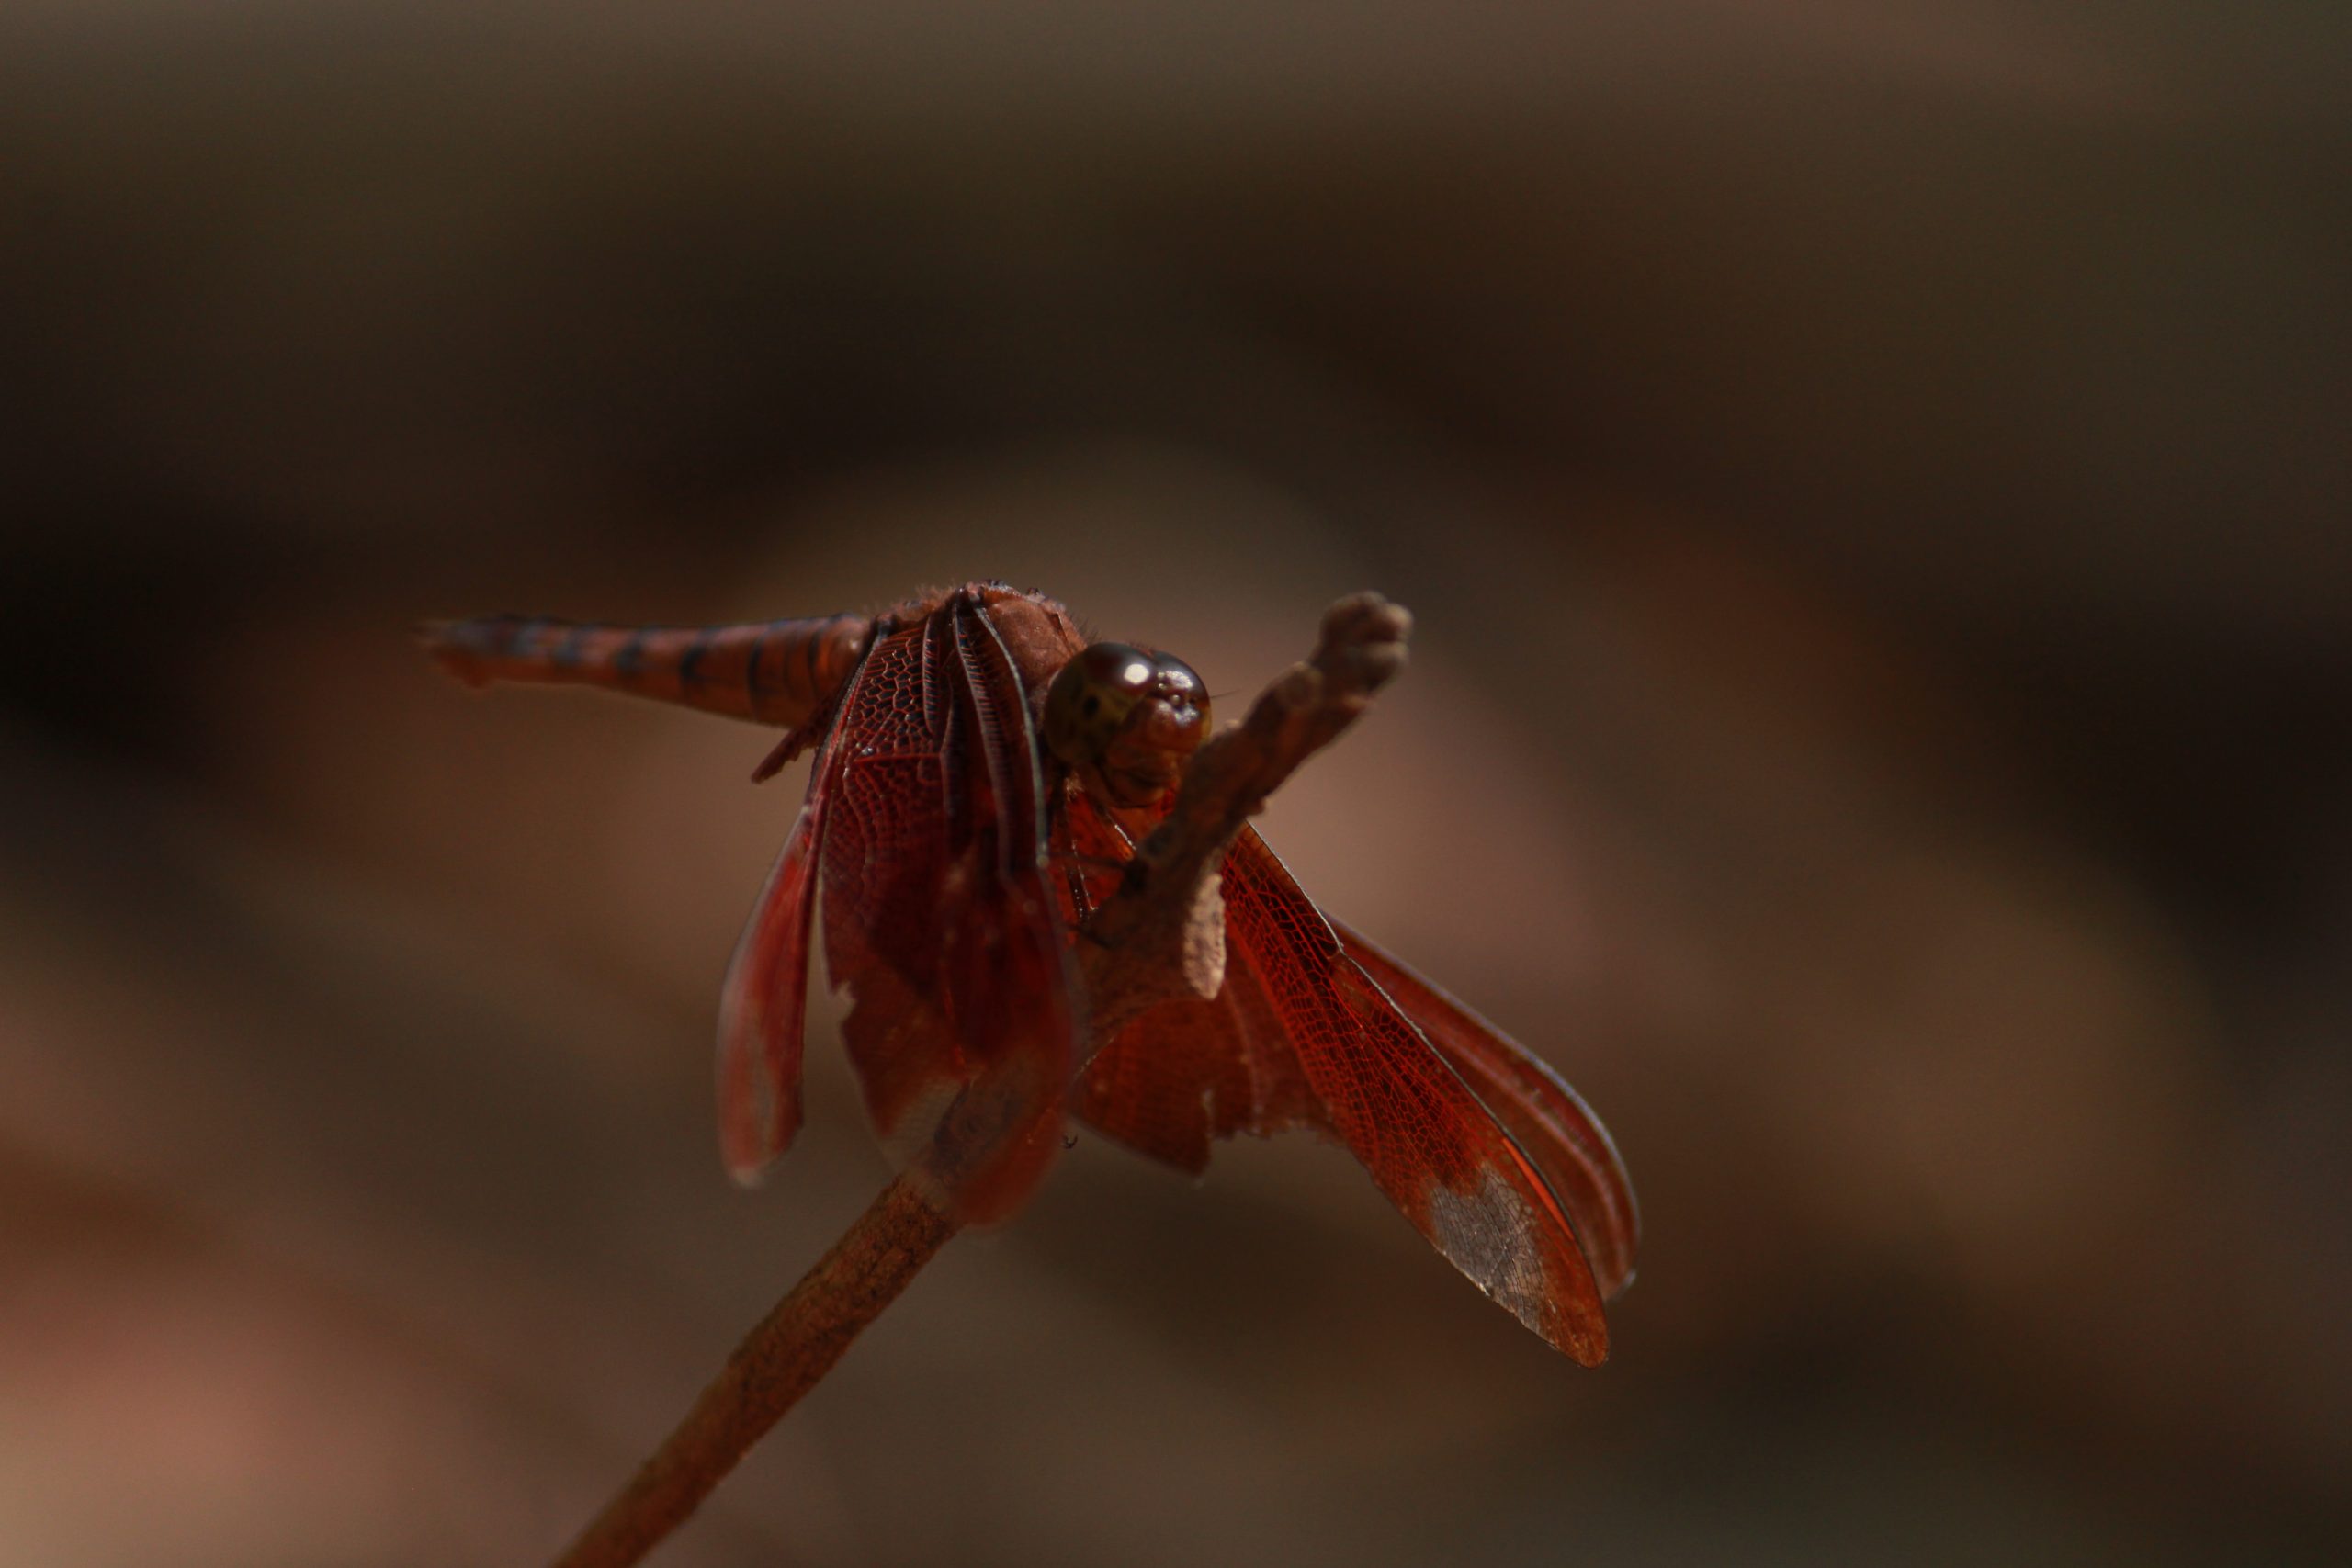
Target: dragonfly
[(983, 771)]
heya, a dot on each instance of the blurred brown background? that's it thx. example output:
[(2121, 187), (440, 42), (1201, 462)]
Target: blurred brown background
[(1871, 480)]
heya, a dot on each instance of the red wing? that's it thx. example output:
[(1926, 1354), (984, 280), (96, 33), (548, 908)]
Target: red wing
[(1450, 1163), (1188, 1072), (937, 918), (761, 1006), (763, 1000), (1549, 1121)]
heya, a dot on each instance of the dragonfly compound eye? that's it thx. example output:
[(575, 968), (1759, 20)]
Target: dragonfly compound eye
[(1097, 693)]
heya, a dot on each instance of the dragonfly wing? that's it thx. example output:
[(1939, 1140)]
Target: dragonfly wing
[(1189, 1072), (761, 1007), (1011, 985), (1450, 1164), (1549, 1121), (886, 860), (764, 1001), (937, 918)]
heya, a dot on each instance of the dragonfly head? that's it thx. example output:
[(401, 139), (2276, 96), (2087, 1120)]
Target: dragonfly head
[(1126, 718)]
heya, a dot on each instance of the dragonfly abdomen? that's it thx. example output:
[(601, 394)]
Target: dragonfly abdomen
[(767, 671)]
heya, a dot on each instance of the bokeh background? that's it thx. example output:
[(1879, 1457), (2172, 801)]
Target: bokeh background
[(1871, 479)]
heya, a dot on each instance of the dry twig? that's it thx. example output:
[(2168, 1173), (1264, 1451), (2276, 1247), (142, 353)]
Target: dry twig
[(1161, 937)]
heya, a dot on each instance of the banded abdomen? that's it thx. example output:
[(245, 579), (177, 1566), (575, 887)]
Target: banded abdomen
[(773, 672)]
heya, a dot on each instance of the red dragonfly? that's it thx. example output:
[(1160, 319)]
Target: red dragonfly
[(982, 769)]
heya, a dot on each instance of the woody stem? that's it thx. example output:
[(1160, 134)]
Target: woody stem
[(1161, 937), (778, 1361)]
